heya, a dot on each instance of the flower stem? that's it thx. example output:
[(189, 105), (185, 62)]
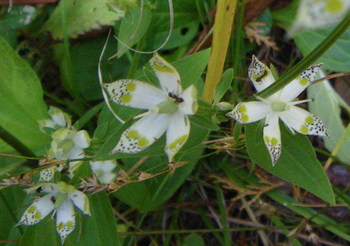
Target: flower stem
[(225, 13), (309, 59), (15, 143)]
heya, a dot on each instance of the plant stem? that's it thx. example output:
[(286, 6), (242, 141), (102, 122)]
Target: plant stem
[(15, 143), (308, 60), (225, 13)]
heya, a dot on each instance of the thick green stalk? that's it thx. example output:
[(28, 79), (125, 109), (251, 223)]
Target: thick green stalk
[(17, 145), (308, 60)]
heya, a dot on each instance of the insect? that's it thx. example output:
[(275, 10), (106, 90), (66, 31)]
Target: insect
[(258, 79), (177, 98), (53, 199)]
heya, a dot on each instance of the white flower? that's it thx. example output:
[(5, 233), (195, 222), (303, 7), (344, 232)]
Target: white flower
[(66, 144), (168, 109), (60, 199), (57, 119), (313, 14), (103, 170), (278, 106)]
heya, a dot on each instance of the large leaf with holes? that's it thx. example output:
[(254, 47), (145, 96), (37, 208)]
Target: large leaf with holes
[(21, 100), (297, 164), (185, 26), (79, 17)]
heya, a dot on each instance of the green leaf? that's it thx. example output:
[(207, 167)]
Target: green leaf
[(78, 69), (192, 67), (224, 85), (186, 24), (337, 58), (130, 33), (21, 99), (297, 164), (43, 233), (149, 194), (326, 105), (11, 199), (80, 16), (100, 228), (194, 240)]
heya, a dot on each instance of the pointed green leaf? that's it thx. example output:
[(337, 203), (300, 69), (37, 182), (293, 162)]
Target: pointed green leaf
[(297, 164)]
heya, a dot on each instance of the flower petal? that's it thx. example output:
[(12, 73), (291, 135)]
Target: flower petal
[(80, 200), (133, 93), (190, 104), (37, 210), (49, 187), (260, 74), (248, 112), (272, 137), (103, 170), (168, 76), (298, 85), (142, 133), (177, 134), (75, 153), (65, 219), (303, 122), (82, 139), (59, 117)]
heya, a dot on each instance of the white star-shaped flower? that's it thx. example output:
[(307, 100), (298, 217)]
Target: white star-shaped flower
[(66, 144), (278, 106), (168, 109), (60, 199)]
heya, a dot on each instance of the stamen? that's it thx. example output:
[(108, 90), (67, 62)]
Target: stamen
[(300, 102)]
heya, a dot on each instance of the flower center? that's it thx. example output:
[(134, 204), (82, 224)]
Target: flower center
[(169, 106), (278, 106)]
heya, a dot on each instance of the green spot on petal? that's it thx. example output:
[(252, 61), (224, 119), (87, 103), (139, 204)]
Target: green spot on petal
[(274, 141), (304, 82), (309, 120), (32, 209), (242, 109), (304, 129), (70, 224), (60, 226), (163, 69), (143, 142), (267, 139), (133, 134), (131, 86), (126, 98), (245, 118), (37, 215), (179, 141), (334, 6)]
